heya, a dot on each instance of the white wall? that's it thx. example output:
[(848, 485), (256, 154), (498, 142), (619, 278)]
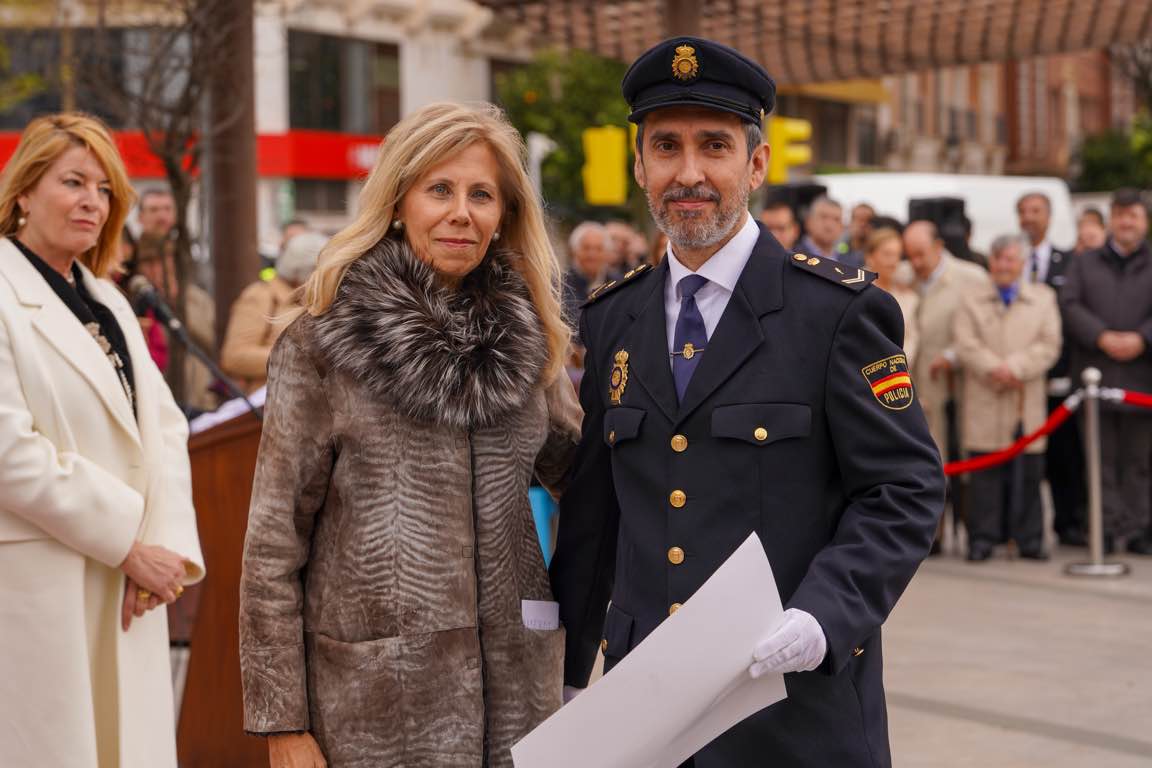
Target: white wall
[(435, 67), (444, 55)]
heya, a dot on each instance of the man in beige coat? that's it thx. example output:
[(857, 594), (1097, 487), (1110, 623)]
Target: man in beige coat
[(941, 280), (1007, 336)]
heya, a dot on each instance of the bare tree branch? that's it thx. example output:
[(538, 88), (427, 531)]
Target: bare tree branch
[(1135, 63), (158, 79)]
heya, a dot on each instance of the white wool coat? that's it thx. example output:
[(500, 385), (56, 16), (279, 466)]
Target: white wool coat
[(81, 478)]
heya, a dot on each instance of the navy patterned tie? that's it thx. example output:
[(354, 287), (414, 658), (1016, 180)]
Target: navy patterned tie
[(691, 336)]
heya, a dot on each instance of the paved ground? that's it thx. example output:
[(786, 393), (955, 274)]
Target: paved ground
[(1012, 664)]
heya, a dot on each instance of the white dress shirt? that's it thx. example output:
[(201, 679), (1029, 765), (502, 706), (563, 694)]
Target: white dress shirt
[(923, 286), (722, 270)]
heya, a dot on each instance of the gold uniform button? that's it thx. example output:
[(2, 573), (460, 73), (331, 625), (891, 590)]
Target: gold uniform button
[(673, 608), (677, 499), (857, 651), (675, 555), (612, 437), (679, 443), (604, 645), (800, 257), (760, 434), (813, 261)]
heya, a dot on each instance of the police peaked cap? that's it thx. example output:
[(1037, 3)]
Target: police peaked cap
[(694, 72)]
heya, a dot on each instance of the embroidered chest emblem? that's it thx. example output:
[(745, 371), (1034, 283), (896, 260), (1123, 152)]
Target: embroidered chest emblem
[(619, 378)]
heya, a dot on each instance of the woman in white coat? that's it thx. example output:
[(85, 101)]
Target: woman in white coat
[(96, 519)]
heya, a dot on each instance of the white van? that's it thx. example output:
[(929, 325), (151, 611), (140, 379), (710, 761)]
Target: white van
[(989, 201)]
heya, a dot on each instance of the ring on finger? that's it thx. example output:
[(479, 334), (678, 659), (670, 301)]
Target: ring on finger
[(143, 595), (179, 590)]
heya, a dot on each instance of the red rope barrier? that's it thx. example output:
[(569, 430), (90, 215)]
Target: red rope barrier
[(1055, 419), (1138, 398)]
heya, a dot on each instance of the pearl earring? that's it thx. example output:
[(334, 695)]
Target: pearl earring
[(496, 235), (397, 225), (20, 222)]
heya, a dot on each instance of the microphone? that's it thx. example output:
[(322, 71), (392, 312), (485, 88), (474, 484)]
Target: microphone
[(145, 295)]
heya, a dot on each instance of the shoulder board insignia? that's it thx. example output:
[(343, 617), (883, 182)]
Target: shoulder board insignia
[(854, 278), (607, 288)]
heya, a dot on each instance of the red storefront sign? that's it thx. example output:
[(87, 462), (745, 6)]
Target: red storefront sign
[(296, 154)]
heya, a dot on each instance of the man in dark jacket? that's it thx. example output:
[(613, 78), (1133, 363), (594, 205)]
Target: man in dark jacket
[(1107, 302), (1064, 459), (738, 388)]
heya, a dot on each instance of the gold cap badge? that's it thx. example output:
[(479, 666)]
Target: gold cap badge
[(619, 377), (684, 63)]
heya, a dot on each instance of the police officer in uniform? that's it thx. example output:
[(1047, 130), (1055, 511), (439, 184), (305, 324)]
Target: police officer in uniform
[(737, 388)]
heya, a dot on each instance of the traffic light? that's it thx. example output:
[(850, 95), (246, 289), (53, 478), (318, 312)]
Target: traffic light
[(605, 170), (785, 137)]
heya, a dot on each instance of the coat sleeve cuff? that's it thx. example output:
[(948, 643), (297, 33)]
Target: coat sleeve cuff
[(275, 689), (838, 646)]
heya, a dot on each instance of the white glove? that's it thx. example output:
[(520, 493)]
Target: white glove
[(797, 644), (571, 692)]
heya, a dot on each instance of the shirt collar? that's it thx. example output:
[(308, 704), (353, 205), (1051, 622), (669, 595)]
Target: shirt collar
[(725, 266), (1044, 250), (936, 273), (1112, 246), (1008, 293)]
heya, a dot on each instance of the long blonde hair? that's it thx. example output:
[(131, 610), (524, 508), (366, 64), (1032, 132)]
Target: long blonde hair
[(419, 142), (42, 143)]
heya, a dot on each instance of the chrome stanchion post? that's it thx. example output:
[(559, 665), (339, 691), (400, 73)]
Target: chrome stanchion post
[(1097, 566)]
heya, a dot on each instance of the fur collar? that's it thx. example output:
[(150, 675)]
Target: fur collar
[(461, 358)]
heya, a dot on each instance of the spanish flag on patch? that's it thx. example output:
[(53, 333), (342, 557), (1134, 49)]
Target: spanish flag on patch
[(890, 382)]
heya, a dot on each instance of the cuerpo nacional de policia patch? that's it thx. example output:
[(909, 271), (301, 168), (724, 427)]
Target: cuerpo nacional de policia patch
[(890, 382)]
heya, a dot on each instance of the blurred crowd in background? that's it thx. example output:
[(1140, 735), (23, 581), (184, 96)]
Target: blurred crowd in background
[(994, 340)]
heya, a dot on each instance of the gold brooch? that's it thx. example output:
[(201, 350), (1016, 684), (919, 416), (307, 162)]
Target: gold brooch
[(619, 378), (684, 63)]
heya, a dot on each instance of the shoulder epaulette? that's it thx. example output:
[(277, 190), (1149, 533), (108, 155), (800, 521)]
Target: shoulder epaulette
[(853, 278), (603, 290)]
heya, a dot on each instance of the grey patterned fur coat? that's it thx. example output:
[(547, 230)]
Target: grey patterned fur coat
[(390, 540)]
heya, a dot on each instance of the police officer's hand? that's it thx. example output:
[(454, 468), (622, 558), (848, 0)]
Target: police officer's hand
[(797, 644)]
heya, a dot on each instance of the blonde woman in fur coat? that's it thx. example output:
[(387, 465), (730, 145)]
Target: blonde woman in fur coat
[(390, 541)]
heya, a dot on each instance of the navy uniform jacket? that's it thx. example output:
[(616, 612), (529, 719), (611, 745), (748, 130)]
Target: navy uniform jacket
[(781, 432)]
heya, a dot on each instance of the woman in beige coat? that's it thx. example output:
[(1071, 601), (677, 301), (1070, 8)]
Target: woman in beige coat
[(392, 567), (96, 520), (882, 254), (1007, 336)]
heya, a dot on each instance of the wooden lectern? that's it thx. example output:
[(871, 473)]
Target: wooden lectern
[(210, 733)]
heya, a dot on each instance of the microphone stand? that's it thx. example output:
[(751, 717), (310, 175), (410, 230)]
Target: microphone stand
[(174, 325), (144, 292)]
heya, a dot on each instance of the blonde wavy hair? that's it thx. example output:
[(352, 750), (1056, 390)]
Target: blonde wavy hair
[(41, 144), (425, 139)]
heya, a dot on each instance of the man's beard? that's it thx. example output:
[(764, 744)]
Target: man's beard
[(698, 229)]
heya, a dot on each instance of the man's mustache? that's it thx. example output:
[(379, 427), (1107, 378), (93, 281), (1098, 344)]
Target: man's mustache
[(700, 192)]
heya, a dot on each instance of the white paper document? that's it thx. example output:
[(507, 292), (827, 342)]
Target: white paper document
[(540, 614), (682, 687)]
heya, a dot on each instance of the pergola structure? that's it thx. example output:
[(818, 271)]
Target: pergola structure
[(809, 41)]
